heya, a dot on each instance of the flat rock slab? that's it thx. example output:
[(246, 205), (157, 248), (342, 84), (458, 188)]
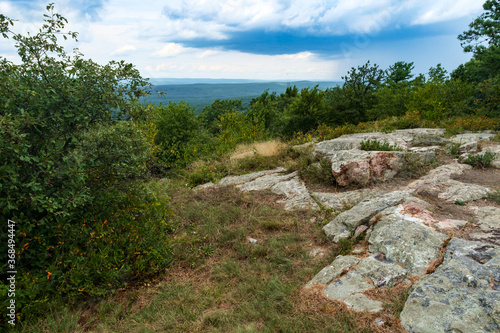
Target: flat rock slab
[(370, 272), (488, 221), (349, 288), (339, 201), (462, 295), (438, 182), (410, 243), (340, 265), (265, 182), (296, 195), (347, 222), (380, 271)]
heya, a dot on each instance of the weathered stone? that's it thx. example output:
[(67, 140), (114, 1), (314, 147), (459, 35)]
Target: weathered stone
[(359, 230), (265, 182), (438, 182), (461, 295), (466, 138), (380, 271), (349, 288), (359, 302), (361, 167), (426, 154), (348, 142), (347, 285), (236, 180), (348, 221), (488, 218), (340, 265), (450, 224), (297, 196), (339, 201), (406, 241), (488, 221), (458, 191)]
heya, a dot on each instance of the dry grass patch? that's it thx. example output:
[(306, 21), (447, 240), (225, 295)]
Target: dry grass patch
[(267, 148)]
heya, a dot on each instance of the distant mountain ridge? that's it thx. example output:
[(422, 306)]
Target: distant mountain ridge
[(204, 93)]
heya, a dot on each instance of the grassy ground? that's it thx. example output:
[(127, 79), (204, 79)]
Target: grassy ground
[(222, 282)]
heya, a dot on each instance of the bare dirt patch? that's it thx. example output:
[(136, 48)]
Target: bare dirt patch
[(442, 209), (489, 177)]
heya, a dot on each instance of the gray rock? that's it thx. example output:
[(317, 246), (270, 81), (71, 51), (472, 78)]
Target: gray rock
[(347, 285), (380, 271), (488, 218), (348, 221), (461, 295), (236, 180), (265, 182), (296, 194), (340, 265), (339, 201), (438, 182), (349, 288), (458, 191), (360, 302), (410, 243), (449, 224), (467, 138)]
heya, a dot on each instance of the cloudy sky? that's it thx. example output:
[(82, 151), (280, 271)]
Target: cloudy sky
[(258, 39)]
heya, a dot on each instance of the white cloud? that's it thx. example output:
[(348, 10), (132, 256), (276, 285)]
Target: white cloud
[(170, 50), (233, 64), (126, 49)]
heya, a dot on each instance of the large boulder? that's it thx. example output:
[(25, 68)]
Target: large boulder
[(462, 295)]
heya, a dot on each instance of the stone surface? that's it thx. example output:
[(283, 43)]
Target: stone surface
[(380, 271), (348, 221), (450, 224), (359, 302), (339, 201), (349, 284), (361, 167), (462, 295), (340, 265), (458, 191), (438, 182), (406, 241), (236, 180), (296, 195), (265, 182), (488, 221)]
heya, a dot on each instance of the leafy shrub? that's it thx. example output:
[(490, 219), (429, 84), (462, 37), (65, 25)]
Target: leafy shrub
[(374, 145), (453, 149), (483, 160)]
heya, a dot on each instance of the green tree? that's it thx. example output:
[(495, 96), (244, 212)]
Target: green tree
[(66, 160), (210, 115), (438, 74), (264, 109), (360, 84), (179, 134), (484, 31), (305, 112), (399, 72)]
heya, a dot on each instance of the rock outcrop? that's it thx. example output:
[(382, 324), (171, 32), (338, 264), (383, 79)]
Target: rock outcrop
[(461, 296), (454, 261)]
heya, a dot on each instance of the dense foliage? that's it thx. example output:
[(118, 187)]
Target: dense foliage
[(69, 170)]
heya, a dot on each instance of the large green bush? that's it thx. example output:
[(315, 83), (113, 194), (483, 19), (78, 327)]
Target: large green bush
[(69, 165)]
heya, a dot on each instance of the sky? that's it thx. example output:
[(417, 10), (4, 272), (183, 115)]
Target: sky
[(285, 40)]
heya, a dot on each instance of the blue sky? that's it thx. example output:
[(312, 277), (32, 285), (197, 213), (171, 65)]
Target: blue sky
[(258, 39)]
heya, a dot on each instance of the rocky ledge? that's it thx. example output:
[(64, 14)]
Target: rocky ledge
[(451, 263)]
